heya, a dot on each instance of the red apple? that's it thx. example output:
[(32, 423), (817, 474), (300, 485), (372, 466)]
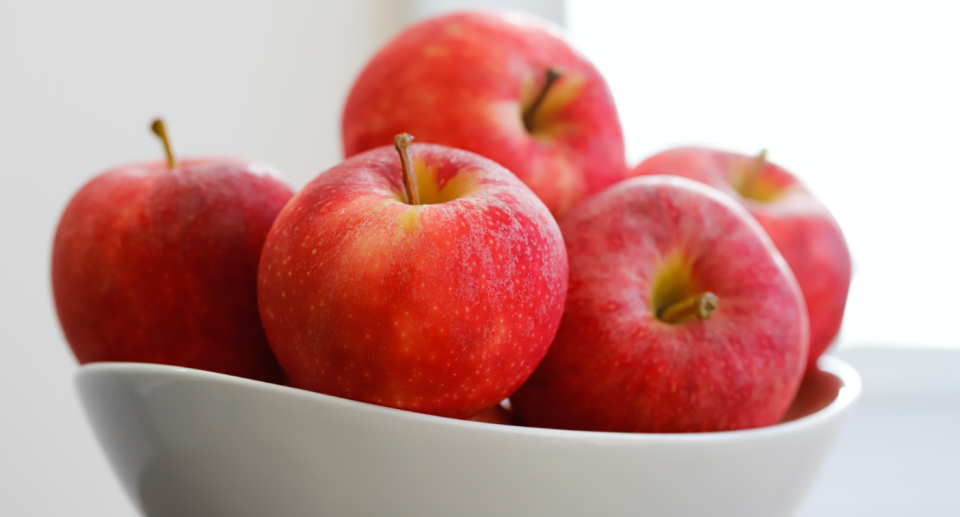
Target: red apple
[(503, 85), (442, 307), (157, 263), (802, 228), (681, 317)]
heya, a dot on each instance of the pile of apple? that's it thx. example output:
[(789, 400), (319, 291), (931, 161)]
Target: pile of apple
[(689, 294)]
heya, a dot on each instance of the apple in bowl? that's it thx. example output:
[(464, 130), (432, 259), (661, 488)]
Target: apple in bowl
[(418, 277), (800, 226), (157, 262), (504, 85), (190, 442), (681, 317)]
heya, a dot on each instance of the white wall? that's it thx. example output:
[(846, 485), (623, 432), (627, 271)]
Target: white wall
[(553, 10)]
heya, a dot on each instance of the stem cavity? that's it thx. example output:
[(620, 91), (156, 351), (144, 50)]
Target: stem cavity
[(753, 174), (530, 113), (161, 131), (700, 306), (410, 189)]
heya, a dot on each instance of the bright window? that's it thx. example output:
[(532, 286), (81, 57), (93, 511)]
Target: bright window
[(860, 99)]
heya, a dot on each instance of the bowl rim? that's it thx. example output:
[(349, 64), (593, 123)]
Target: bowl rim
[(849, 392)]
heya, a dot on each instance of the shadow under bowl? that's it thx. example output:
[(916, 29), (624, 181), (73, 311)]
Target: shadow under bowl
[(193, 443)]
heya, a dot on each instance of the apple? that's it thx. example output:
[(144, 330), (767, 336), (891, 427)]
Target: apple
[(157, 262), (438, 293), (681, 317), (504, 85), (800, 226)]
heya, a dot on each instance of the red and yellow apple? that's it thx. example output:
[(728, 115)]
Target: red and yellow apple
[(157, 263), (503, 85), (800, 226), (681, 317), (437, 294)]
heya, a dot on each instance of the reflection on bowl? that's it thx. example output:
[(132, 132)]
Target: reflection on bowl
[(187, 442), (819, 389)]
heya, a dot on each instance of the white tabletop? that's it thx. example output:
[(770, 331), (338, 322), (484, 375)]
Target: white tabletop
[(899, 454)]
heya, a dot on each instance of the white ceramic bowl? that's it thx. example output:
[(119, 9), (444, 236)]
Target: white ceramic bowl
[(192, 443)]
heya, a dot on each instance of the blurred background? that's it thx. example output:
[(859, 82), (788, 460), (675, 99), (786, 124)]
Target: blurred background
[(860, 99)]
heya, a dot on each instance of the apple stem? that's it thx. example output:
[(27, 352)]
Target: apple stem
[(753, 174), (530, 113), (410, 189), (160, 130), (700, 306)]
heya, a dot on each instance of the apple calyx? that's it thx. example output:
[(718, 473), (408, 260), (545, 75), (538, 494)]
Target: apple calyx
[(160, 130), (552, 74), (700, 306), (411, 190)]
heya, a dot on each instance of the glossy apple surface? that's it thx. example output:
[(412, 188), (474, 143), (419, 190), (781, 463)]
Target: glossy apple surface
[(442, 308), (800, 226), (616, 365), (159, 265), (465, 80)]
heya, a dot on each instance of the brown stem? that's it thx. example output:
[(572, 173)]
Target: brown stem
[(530, 113), (410, 190), (700, 306), (160, 130), (753, 174)]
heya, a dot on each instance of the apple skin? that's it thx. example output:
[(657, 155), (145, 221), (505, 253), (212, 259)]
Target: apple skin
[(801, 227), (464, 79), (156, 265), (440, 308), (615, 366)]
